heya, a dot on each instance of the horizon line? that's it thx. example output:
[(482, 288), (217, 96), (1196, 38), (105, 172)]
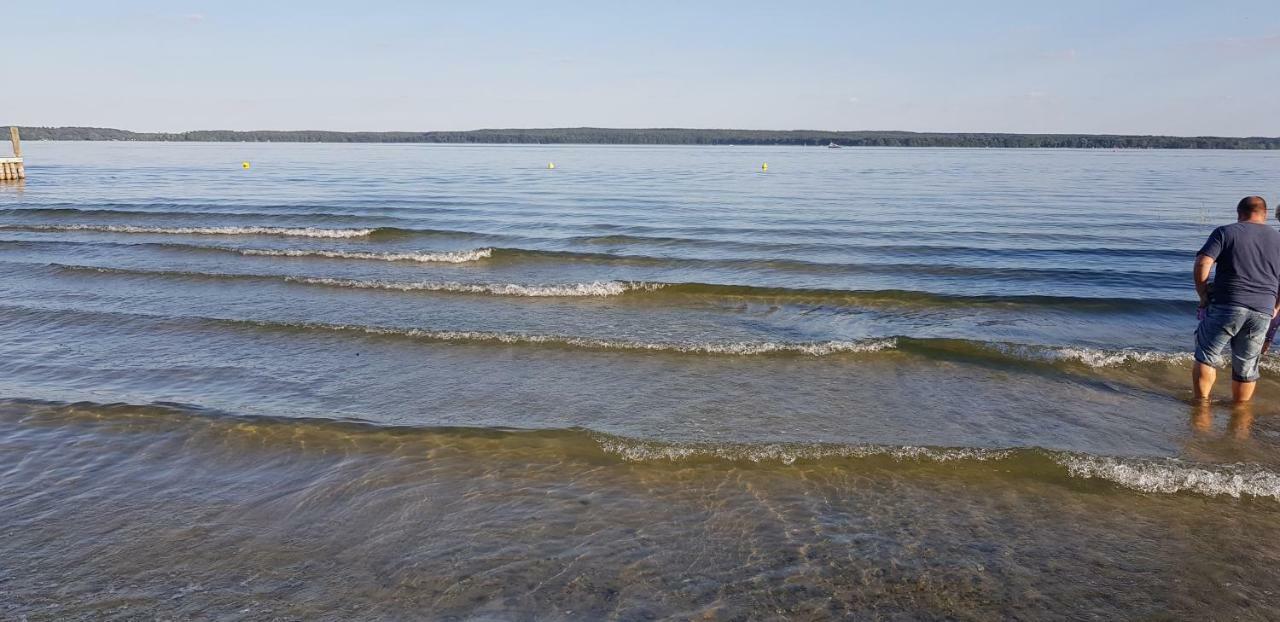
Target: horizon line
[(635, 129)]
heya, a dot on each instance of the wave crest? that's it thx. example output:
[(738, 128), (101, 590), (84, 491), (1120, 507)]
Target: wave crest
[(1173, 476), (423, 257), (786, 453), (1091, 357), (306, 232), (596, 288), (1147, 475), (744, 348)]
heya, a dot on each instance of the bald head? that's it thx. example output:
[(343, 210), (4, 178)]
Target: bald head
[(1250, 208)]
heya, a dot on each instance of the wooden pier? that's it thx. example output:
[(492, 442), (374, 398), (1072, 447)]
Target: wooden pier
[(12, 168)]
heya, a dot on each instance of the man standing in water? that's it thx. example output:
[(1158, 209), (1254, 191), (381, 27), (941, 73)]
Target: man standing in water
[(1246, 291)]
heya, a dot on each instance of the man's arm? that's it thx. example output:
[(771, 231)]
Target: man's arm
[(1275, 325), (1204, 265)]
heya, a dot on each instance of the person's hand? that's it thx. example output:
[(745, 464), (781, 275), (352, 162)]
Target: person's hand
[(1271, 334), (1202, 313)]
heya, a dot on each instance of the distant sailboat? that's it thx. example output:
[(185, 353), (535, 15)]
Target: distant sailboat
[(833, 145)]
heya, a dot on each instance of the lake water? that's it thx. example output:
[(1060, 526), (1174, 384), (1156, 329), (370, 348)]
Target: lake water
[(397, 381)]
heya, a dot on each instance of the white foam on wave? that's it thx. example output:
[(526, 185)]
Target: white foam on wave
[(744, 348), (1099, 358), (1114, 358), (596, 288), (1163, 476), (423, 257), (1173, 476), (307, 232), (785, 453), (1102, 358), (1091, 357)]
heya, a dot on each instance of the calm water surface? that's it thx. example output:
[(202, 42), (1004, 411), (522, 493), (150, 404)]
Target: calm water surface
[(400, 381)]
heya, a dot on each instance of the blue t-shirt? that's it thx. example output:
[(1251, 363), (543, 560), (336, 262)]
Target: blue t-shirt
[(1248, 258)]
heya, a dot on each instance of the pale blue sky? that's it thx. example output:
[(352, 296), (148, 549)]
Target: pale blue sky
[(1165, 67)]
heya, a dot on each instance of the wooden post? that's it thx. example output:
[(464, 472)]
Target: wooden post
[(12, 168)]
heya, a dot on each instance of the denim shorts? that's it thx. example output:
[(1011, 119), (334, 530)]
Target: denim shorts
[(1242, 330)]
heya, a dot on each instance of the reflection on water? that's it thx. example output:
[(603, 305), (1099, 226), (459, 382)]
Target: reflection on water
[(1239, 423), (1242, 421)]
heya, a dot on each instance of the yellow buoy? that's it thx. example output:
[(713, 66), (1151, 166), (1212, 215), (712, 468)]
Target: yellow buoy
[(764, 167), (551, 165), (244, 165)]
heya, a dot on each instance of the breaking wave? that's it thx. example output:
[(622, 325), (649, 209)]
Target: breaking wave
[(423, 257), (786, 453), (673, 292), (998, 353), (944, 349), (1145, 475), (563, 290), (306, 232), (935, 348), (1171, 475), (1092, 357), (740, 348), (596, 288)]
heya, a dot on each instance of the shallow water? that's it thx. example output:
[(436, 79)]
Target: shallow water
[(653, 382)]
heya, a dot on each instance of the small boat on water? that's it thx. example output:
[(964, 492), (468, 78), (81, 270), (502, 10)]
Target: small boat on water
[(833, 145)]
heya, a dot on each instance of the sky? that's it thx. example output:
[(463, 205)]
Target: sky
[(1132, 67)]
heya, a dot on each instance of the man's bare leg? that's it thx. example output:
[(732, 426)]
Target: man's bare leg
[(1202, 377), (1242, 391)]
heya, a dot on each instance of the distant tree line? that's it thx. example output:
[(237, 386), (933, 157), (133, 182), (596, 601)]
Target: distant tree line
[(673, 136)]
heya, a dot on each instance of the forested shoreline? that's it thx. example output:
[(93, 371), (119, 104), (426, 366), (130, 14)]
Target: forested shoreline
[(672, 136)]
